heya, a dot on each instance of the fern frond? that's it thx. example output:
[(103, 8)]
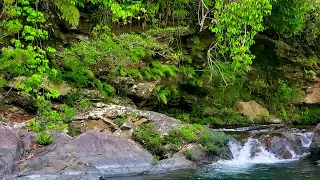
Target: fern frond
[(69, 12)]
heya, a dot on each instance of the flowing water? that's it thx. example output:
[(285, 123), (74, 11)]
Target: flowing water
[(252, 161)]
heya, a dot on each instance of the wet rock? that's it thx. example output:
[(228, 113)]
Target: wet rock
[(163, 123), (284, 145), (10, 149), (176, 162), (315, 145), (92, 153), (251, 109)]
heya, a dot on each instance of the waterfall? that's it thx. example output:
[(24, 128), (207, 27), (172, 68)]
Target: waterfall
[(253, 152)]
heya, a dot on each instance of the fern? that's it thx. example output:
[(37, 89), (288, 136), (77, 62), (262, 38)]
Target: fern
[(69, 11)]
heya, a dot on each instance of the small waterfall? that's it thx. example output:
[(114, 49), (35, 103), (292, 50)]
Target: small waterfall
[(253, 152)]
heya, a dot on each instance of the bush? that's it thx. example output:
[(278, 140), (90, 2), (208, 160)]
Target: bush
[(310, 115), (150, 139), (214, 142)]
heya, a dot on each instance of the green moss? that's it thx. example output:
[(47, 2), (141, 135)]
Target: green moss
[(74, 129), (188, 154)]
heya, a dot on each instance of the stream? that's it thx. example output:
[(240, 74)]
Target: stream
[(251, 161)]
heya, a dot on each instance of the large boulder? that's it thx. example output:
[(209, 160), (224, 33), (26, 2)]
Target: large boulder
[(10, 149), (176, 162), (312, 95), (251, 109), (285, 145), (93, 153), (315, 145), (103, 111)]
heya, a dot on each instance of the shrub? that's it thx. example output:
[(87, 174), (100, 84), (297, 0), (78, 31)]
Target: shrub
[(310, 115), (150, 139), (214, 142)]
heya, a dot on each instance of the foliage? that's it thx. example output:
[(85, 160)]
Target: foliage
[(310, 115), (150, 139), (47, 121), (120, 120), (84, 104), (288, 17), (235, 25)]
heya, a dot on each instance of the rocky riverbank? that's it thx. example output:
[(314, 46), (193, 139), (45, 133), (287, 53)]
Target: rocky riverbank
[(105, 148)]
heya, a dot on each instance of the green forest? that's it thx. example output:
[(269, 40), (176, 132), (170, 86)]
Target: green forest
[(193, 60)]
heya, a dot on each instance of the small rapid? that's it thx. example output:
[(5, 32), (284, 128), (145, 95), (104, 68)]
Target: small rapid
[(253, 152)]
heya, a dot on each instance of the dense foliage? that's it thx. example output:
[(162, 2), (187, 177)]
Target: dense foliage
[(200, 54)]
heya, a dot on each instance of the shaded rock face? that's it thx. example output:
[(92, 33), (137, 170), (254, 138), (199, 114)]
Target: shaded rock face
[(9, 150), (315, 145), (251, 109), (13, 114), (22, 99), (102, 111)]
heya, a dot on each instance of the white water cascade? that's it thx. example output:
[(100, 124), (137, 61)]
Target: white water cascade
[(253, 152)]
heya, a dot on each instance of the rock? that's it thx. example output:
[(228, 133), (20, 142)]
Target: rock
[(124, 133), (197, 153), (174, 163), (313, 95), (92, 153), (315, 145), (251, 109), (163, 123), (14, 114), (277, 146), (128, 126), (275, 121), (143, 90), (10, 149), (137, 89), (24, 100), (284, 145), (140, 121), (98, 125)]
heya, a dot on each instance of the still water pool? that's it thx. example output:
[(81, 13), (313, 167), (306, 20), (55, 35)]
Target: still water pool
[(297, 170)]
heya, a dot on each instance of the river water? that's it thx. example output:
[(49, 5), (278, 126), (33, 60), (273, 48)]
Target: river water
[(250, 161)]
